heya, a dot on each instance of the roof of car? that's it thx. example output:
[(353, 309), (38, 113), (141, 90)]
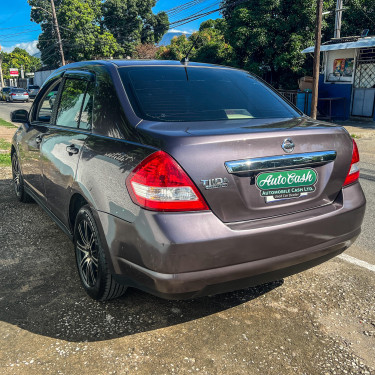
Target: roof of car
[(128, 62), (121, 63)]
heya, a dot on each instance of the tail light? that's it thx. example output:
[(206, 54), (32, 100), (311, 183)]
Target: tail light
[(353, 173), (12, 94), (158, 183)]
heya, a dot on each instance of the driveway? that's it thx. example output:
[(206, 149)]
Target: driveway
[(319, 322)]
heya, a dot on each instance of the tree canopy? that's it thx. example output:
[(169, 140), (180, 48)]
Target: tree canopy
[(266, 37), (92, 29), (19, 58), (357, 16), (207, 45)]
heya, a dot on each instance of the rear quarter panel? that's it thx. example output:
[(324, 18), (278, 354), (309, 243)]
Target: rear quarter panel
[(103, 168)]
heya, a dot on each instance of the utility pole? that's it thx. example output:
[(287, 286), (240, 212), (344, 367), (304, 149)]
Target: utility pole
[(318, 37), (1, 73), (57, 32), (338, 16)]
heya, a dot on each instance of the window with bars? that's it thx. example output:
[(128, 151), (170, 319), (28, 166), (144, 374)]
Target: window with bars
[(365, 69)]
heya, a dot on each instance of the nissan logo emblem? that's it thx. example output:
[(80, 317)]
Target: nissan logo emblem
[(288, 145)]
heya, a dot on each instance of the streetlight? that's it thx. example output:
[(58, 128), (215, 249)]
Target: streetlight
[(56, 25)]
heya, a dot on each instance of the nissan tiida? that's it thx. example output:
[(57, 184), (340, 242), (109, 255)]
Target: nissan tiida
[(184, 179)]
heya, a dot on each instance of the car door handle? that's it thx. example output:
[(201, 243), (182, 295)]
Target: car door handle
[(72, 150)]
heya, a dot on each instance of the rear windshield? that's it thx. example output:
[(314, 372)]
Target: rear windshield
[(6, 89), (200, 94), (18, 91), (33, 87)]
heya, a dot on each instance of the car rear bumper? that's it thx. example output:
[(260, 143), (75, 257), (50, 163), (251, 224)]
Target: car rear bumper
[(189, 255), (20, 99)]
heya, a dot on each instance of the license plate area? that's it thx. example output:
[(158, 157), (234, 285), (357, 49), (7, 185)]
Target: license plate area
[(277, 186)]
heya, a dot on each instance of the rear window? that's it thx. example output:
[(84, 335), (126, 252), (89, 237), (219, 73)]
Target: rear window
[(6, 89), (33, 87), (200, 94), (18, 91)]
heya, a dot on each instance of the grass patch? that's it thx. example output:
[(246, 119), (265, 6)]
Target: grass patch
[(355, 136), (5, 160), (6, 124), (4, 145)]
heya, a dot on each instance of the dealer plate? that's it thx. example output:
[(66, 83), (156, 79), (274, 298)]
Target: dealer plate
[(281, 185)]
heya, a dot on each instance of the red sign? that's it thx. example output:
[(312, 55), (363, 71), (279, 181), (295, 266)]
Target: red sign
[(13, 72)]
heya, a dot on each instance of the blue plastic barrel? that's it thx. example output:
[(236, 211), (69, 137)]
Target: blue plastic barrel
[(304, 102)]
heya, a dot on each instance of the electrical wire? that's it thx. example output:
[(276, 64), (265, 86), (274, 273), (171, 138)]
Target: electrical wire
[(358, 6), (199, 15)]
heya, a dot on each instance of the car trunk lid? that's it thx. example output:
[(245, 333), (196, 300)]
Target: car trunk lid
[(243, 171)]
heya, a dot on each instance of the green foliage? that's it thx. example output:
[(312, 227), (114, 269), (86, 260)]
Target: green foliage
[(358, 15), (268, 36), (81, 31), (207, 45), (95, 29), (176, 50), (132, 22), (19, 57)]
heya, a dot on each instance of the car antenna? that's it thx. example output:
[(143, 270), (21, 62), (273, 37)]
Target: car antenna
[(185, 60)]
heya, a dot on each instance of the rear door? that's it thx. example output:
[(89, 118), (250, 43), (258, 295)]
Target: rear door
[(61, 148)]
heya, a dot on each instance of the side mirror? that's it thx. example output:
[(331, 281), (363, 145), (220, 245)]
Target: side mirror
[(19, 115)]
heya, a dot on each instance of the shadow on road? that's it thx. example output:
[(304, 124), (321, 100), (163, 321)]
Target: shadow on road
[(41, 292)]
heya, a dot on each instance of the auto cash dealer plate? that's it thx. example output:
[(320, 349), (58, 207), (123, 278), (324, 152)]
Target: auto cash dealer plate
[(281, 185)]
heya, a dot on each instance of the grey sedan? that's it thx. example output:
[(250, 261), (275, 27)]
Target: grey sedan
[(184, 179), (17, 95)]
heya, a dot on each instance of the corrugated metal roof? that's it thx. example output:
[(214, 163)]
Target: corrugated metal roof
[(361, 43)]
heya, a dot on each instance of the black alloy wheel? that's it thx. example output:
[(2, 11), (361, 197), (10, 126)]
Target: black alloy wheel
[(90, 258), (18, 183), (87, 253)]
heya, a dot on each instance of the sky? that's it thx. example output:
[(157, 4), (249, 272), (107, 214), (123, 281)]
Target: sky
[(16, 29)]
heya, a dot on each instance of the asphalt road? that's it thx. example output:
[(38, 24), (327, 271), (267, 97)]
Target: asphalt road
[(319, 322), (7, 108)]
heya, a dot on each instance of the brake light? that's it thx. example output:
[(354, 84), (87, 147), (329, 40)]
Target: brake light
[(353, 173), (158, 183), (12, 94)]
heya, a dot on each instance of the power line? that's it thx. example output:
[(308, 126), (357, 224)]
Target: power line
[(10, 36), (360, 8), (199, 15), (16, 27), (200, 8), (182, 7)]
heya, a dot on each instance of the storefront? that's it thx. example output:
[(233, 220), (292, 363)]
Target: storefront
[(347, 79)]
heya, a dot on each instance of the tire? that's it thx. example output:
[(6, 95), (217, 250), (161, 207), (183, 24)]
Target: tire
[(91, 261), (18, 184)]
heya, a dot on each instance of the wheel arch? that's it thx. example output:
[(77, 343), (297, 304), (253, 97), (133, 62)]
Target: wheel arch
[(76, 202)]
